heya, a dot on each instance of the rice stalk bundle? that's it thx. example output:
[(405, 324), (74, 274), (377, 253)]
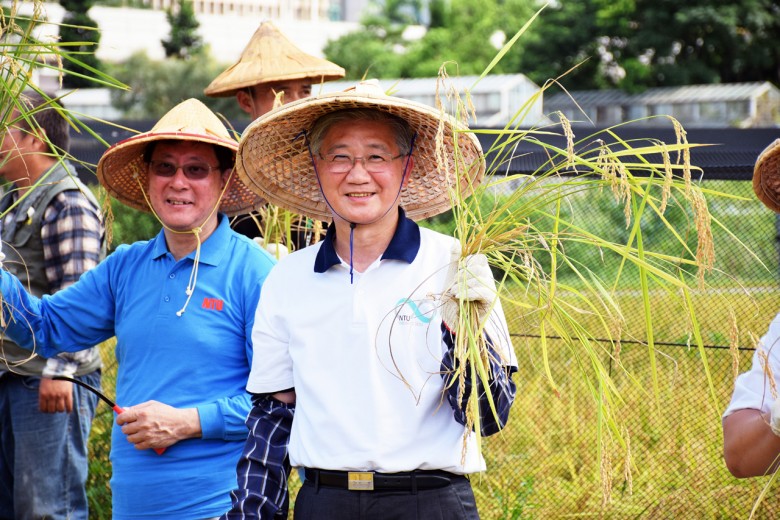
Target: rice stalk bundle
[(527, 234), (280, 226)]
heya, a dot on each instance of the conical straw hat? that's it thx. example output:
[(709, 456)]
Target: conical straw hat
[(123, 173), (270, 56), (274, 161), (766, 176)]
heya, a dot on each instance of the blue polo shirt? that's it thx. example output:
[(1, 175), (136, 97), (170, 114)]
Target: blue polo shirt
[(200, 359)]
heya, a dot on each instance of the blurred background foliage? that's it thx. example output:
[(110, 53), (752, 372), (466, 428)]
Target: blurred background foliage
[(625, 44)]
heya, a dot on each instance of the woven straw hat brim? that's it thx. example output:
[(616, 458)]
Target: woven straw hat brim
[(273, 159), (239, 76), (766, 176), (269, 57), (122, 172)]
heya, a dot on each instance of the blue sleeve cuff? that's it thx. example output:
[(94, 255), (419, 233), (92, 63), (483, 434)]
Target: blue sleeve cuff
[(211, 424)]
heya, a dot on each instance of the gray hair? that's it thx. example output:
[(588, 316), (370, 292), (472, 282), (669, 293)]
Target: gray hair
[(400, 128)]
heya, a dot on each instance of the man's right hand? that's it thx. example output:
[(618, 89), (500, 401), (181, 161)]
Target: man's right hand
[(55, 396)]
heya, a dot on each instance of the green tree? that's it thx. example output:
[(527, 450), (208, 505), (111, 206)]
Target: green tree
[(81, 35), (566, 35), (635, 44), (184, 41), (589, 44), (374, 51), (701, 41), (460, 31), (466, 35), (363, 53), (156, 86)]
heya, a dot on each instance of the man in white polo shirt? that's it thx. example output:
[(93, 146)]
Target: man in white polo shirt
[(350, 331)]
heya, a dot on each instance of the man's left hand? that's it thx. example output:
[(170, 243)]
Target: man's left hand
[(55, 396), (470, 280)]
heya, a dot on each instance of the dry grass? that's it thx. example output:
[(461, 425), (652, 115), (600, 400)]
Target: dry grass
[(676, 466)]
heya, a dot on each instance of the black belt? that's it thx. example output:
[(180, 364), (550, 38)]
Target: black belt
[(371, 481)]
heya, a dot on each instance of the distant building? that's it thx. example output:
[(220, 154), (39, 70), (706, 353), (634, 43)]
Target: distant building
[(225, 30), (739, 105), (350, 10), (90, 102), (271, 9), (497, 99), (312, 10)]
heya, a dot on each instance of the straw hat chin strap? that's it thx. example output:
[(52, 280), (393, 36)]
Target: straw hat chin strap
[(353, 225), (195, 231)]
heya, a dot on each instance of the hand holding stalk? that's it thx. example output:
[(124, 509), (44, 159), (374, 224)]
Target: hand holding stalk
[(469, 280)]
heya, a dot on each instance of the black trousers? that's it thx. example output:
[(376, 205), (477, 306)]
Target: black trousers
[(452, 502)]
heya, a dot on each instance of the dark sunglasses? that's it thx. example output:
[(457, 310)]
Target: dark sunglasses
[(193, 171)]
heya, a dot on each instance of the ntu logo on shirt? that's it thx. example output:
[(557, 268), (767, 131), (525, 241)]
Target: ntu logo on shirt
[(422, 311), (214, 304)]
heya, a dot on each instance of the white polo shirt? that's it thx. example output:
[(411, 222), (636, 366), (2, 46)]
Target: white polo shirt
[(364, 357), (752, 388)]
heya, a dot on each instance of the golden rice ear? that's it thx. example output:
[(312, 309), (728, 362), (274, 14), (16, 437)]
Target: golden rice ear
[(766, 176), (108, 214)]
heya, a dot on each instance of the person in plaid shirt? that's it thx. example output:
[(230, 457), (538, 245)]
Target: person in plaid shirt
[(52, 232)]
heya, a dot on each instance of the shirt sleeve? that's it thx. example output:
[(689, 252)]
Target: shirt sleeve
[(68, 363), (72, 236), (757, 388), (501, 389), (263, 469), (79, 315)]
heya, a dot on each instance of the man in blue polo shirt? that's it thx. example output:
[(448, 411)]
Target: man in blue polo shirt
[(364, 360), (181, 306)]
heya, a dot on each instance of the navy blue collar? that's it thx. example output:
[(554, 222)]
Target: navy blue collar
[(404, 245)]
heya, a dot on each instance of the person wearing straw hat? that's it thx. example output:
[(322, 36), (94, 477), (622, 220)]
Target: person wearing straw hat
[(751, 422), (365, 361), (271, 67), (270, 71), (181, 307), (54, 232)]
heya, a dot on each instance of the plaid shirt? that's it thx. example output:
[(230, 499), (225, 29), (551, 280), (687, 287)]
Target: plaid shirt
[(263, 468), (502, 388), (72, 235)]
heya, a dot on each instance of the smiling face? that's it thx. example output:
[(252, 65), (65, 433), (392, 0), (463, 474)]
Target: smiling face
[(357, 195), (259, 99), (183, 203)]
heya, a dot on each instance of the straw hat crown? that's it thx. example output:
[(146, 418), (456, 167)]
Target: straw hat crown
[(275, 162), (268, 57), (122, 170), (766, 176)]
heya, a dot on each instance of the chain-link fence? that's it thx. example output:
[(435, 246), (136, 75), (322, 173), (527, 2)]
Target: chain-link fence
[(665, 461)]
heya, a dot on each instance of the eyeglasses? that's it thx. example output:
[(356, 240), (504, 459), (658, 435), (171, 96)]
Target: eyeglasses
[(193, 171), (374, 163)]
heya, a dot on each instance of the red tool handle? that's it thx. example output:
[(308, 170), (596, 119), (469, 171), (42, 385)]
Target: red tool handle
[(118, 409)]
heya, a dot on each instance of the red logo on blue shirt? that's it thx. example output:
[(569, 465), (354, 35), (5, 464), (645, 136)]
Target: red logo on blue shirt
[(214, 304)]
